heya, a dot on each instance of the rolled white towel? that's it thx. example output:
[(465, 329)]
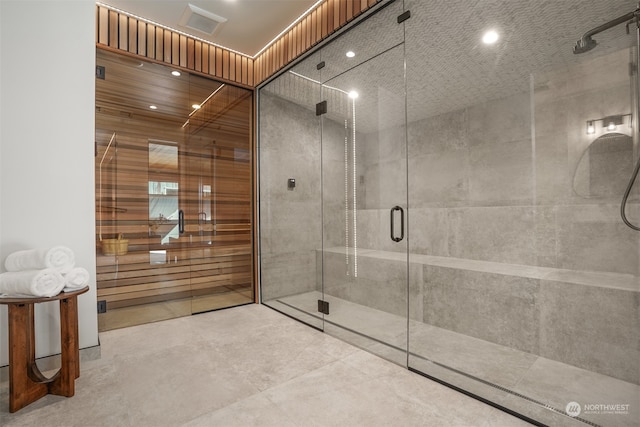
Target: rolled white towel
[(37, 283), (76, 278), (59, 257)]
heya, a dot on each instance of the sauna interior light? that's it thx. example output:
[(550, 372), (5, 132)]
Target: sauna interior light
[(153, 107), (175, 73), (490, 37), (353, 94), (195, 106), (350, 54)]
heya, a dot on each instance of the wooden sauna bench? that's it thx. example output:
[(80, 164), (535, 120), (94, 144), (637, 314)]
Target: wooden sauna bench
[(185, 270)]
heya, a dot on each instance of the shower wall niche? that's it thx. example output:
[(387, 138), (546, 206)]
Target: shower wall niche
[(456, 215)]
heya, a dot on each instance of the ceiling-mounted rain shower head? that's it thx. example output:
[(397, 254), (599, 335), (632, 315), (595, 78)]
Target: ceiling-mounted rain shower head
[(584, 45)]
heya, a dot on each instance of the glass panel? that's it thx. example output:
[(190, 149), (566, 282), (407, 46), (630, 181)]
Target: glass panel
[(364, 205), (291, 211), (528, 278), (218, 203), (160, 160), (323, 209), (376, 34), (164, 189)]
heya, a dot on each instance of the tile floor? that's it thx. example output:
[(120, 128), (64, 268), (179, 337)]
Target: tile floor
[(546, 381), (246, 366)]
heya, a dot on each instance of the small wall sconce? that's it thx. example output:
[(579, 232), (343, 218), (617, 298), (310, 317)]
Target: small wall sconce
[(609, 123)]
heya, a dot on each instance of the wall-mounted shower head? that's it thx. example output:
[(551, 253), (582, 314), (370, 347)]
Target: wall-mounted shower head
[(584, 45)]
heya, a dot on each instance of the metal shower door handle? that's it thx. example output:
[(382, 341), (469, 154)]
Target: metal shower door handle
[(393, 234), (181, 221)]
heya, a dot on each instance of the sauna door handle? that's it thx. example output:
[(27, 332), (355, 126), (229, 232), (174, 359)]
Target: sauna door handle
[(393, 221), (181, 221)]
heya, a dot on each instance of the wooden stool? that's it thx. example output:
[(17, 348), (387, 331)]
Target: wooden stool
[(26, 383)]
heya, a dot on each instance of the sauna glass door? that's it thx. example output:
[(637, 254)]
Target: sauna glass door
[(217, 195), (173, 193)]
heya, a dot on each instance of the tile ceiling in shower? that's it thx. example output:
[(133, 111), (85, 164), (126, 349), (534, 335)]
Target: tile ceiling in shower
[(449, 68)]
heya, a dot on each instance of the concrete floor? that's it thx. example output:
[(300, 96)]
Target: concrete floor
[(246, 366)]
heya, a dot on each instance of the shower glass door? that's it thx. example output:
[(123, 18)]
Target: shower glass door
[(365, 204)]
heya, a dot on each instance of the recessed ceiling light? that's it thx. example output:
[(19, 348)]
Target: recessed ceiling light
[(195, 106), (351, 54), (175, 73), (490, 37), (353, 94), (153, 107)]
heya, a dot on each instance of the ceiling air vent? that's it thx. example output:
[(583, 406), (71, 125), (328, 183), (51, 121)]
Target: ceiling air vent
[(200, 19)]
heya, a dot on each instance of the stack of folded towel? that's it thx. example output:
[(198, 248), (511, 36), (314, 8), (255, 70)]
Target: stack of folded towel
[(42, 273)]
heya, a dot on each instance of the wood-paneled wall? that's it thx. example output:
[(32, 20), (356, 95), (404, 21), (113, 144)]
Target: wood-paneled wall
[(121, 32), (325, 19)]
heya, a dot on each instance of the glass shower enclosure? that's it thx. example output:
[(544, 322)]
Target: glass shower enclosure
[(454, 205)]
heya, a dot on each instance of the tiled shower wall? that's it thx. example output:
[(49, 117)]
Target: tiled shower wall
[(491, 194), (479, 188)]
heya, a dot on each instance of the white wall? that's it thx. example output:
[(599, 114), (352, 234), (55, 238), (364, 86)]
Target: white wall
[(47, 102)]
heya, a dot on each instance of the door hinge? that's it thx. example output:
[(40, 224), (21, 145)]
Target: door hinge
[(404, 16), (323, 306), (100, 72), (321, 108), (102, 306)]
